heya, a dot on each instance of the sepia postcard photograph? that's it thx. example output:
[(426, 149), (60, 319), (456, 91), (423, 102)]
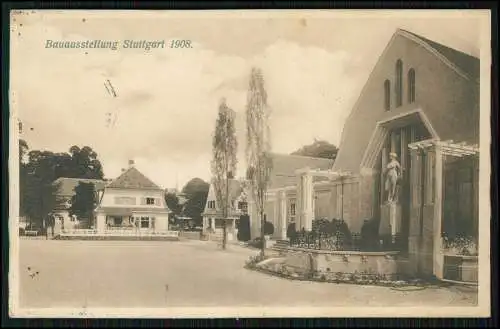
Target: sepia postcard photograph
[(249, 163)]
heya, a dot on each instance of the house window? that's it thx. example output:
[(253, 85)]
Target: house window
[(144, 222), (292, 210), (411, 86), (150, 201), (242, 205), (211, 204), (399, 83), (387, 95)]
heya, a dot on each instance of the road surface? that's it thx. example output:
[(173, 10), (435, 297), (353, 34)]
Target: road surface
[(147, 274)]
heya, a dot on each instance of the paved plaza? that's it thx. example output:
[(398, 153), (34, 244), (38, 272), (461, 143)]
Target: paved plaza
[(186, 273)]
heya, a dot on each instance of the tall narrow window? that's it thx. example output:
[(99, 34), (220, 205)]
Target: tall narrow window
[(399, 83), (411, 86), (387, 95)]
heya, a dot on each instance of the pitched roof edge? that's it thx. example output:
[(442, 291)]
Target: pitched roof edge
[(434, 51), (410, 36)]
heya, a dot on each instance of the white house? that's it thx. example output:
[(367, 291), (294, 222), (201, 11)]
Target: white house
[(212, 215), (132, 202)]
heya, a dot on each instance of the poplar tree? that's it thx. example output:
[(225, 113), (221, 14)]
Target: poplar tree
[(224, 161), (258, 149)]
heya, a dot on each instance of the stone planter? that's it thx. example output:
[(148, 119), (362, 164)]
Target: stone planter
[(461, 268), (469, 269)]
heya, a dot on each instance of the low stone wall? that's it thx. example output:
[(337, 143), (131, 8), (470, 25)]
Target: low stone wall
[(117, 238), (190, 235), (341, 265)]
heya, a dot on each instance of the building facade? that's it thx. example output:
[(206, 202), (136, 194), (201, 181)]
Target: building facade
[(132, 202), (421, 104), (213, 215)]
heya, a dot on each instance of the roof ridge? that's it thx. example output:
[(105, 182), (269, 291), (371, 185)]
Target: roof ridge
[(120, 183)]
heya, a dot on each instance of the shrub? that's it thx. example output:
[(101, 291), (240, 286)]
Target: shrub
[(244, 228), (291, 231), (268, 228), (370, 234), (256, 243), (322, 225)]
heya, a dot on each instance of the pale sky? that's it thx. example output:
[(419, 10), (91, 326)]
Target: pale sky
[(314, 63)]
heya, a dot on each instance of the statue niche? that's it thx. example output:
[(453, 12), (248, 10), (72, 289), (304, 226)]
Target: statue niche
[(393, 178)]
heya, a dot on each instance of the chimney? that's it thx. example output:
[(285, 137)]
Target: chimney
[(130, 163)]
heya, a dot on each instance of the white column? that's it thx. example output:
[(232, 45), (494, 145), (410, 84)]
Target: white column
[(298, 203), (309, 213), (282, 214), (306, 211), (438, 199), (101, 223), (212, 223)]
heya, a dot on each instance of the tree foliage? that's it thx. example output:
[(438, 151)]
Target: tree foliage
[(318, 149), (84, 202), (268, 228), (258, 143), (173, 204), (196, 192), (224, 161), (39, 169)]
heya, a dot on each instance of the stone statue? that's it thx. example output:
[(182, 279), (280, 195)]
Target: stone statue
[(393, 173)]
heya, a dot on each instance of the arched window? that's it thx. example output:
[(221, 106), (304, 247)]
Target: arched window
[(411, 86), (387, 95), (399, 83)]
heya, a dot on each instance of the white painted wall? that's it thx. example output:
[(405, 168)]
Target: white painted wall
[(110, 195)]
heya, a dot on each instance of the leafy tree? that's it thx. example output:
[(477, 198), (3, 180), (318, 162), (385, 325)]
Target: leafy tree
[(38, 171), (172, 201), (258, 144), (224, 148), (84, 202), (318, 149), (196, 192)]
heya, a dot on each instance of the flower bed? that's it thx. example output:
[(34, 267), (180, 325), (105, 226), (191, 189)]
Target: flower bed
[(334, 266), (460, 258), (360, 278)]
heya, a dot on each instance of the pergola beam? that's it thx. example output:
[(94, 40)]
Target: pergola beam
[(447, 147)]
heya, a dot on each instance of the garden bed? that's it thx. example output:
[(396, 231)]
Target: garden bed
[(359, 278)]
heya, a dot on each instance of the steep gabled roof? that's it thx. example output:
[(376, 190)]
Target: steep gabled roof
[(361, 122), (467, 64), (133, 179), (235, 189), (66, 186), (285, 165)]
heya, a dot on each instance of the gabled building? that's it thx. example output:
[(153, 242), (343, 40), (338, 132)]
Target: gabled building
[(65, 192), (212, 215), (421, 103), (132, 202)]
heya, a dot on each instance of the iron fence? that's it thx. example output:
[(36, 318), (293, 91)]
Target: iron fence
[(340, 241)]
